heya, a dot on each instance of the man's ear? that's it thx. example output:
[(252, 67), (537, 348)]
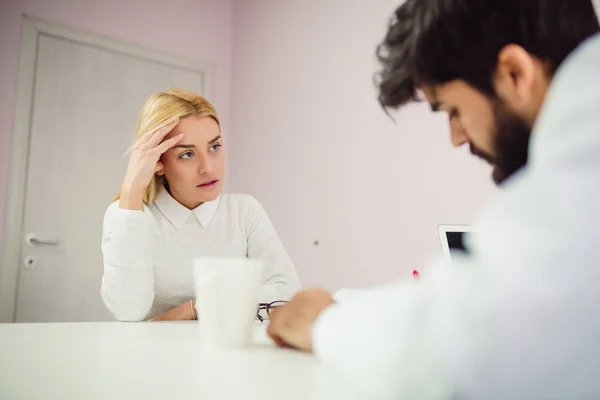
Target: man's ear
[(514, 77)]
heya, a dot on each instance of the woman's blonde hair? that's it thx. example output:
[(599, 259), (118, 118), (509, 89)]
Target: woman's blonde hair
[(160, 109)]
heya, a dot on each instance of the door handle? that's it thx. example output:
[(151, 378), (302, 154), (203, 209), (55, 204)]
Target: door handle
[(34, 240)]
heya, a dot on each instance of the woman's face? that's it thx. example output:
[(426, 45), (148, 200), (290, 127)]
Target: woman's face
[(195, 167)]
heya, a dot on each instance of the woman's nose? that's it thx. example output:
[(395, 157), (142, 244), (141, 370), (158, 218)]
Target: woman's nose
[(205, 167)]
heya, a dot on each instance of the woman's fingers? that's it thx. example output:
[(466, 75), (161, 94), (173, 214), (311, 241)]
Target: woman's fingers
[(148, 136), (160, 134), (167, 144)]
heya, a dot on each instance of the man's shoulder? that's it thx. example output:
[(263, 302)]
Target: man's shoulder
[(583, 59), (569, 118)]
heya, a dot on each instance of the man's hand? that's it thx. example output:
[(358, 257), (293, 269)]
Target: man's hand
[(292, 323)]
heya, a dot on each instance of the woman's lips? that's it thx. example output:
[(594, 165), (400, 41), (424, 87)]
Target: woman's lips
[(208, 185)]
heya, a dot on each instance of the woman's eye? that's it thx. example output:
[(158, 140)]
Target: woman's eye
[(214, 147), (186, 155), (453, 113)]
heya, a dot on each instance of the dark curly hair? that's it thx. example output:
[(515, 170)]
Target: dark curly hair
[(436, 41)]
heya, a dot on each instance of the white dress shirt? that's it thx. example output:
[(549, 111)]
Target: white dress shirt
[(520, 317), (148, 254)]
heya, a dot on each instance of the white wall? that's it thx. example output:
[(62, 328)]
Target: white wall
[(198, 29), (312, 144)]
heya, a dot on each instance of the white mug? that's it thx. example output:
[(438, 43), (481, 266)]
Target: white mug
[(227, 295)]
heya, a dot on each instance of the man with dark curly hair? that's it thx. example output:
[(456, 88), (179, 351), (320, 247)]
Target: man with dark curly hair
[(516, 318)]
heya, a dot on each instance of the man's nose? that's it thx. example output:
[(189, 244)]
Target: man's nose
[(458, 135)]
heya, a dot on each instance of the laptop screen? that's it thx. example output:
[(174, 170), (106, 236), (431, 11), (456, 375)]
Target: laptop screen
[(455, 241), (452, 239)]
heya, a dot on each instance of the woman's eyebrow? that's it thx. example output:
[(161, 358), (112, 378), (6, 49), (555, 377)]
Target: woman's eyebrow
[(215, 139)]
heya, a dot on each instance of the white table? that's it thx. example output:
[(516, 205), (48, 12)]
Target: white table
[(160, 360)]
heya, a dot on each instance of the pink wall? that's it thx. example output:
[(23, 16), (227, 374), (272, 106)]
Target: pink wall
[(309, 139), (312, 144), (199, 29)]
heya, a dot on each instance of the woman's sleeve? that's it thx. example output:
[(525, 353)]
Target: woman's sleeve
[(128, 279), (281, 279)]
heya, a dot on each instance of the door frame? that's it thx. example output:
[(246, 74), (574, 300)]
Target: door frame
[(31, 30)]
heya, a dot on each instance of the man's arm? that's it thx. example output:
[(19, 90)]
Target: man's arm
[(389, 341)]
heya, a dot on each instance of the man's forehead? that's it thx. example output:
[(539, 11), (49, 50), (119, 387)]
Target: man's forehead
[(440, 94), (430, 93)]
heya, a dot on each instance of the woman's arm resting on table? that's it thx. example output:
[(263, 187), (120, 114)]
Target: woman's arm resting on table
[(281, 278), (183, 312), (128, 279)]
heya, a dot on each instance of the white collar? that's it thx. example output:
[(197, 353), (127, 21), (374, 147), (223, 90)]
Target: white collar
[(178, 214)]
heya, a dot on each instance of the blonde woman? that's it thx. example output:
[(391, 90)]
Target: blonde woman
[(170, 210)]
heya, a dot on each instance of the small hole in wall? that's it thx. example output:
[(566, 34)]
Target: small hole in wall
[(316, 242)]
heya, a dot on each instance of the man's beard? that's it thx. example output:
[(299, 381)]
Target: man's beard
[(510, 143)]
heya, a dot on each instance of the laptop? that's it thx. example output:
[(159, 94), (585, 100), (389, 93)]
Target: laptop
[(452, 239)]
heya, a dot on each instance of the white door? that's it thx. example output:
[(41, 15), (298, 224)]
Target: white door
[(86, 101)]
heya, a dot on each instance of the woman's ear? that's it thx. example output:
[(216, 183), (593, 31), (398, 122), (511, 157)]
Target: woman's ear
[(160, 169)]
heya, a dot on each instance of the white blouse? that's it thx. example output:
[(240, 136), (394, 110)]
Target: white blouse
[(148, 254)]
